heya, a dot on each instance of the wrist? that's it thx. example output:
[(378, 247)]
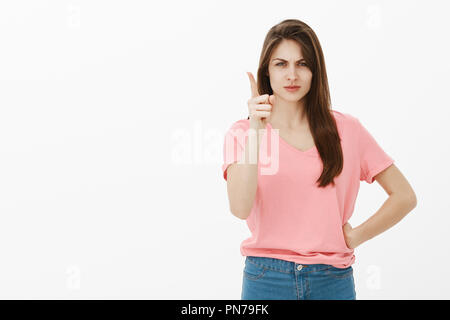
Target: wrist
[(256, 123)]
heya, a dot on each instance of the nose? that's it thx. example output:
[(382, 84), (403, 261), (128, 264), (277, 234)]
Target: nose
[(292, 74)]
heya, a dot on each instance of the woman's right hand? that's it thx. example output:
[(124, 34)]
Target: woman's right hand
[(259, 106)]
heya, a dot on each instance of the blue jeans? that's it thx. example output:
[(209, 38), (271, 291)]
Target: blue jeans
[(276, 279)]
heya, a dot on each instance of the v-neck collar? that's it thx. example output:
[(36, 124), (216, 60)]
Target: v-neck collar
[(311, 151)]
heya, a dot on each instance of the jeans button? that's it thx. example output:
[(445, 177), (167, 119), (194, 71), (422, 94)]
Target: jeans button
[(299, 267)]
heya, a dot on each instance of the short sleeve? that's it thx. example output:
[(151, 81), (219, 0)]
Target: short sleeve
[(373, 159), (234, 144)]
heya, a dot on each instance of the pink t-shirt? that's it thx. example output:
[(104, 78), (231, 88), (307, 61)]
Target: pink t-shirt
[(292, 218)]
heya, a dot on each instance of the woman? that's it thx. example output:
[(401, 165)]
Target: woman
[(297, 200)]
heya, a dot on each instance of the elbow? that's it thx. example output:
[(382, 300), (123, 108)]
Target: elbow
[(240, 213), (239, 209), (410, 199), (413, 200), (244, 216)]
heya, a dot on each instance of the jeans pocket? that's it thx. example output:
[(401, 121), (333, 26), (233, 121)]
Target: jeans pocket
[(339, 273), (253, 271)]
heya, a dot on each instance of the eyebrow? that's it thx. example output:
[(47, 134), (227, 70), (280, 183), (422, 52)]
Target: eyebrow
[(286, 60)]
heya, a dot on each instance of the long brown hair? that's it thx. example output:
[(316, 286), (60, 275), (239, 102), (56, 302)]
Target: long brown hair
[(317, 100)]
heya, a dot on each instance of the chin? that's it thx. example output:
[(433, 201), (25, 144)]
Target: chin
[(293, 98)]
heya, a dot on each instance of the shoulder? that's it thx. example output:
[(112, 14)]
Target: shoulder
[(345, 120), (241, 124), (343, 117)]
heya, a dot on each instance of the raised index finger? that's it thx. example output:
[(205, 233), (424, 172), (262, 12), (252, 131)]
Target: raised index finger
[(253, 85)]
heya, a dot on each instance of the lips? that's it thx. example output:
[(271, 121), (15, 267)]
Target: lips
[(292, 87)]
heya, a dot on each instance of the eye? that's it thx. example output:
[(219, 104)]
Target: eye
[(302, 63)]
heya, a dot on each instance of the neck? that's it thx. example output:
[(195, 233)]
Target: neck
[(288, 114)]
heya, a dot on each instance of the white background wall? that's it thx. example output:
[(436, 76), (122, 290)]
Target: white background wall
[(112, 118)]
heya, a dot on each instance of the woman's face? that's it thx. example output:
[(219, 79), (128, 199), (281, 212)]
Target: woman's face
[(286, 68)]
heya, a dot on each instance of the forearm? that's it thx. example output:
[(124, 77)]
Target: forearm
[(394, 209), (243, 185)]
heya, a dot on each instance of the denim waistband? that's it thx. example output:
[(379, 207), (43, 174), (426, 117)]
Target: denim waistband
[(288, 266)]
